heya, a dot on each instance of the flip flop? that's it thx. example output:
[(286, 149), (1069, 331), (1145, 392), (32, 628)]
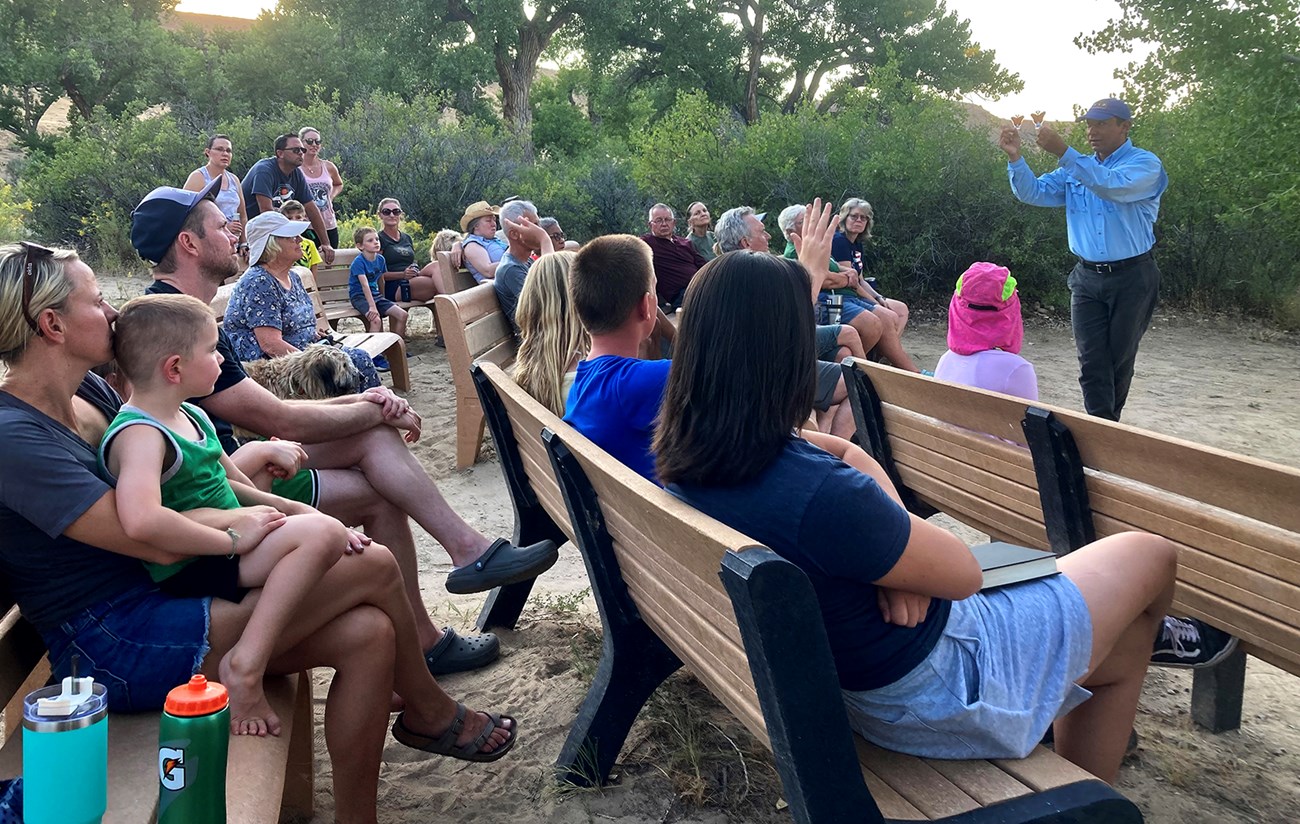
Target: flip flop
[(459, 653), (503, 563), (445, 744)]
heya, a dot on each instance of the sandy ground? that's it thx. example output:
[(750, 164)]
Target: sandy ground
[(1229, 384)]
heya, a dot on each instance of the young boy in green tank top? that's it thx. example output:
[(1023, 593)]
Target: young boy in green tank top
[(176, 487)]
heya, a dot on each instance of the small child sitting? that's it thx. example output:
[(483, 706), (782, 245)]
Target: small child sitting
[(985, 331), (367, 271), (311, 258), (166, 460)]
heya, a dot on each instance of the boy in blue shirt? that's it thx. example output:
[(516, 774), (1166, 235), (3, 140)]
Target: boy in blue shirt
[(615, 396), (367, 271)]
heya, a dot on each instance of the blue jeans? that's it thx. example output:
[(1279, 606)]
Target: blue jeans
[(139, 645)]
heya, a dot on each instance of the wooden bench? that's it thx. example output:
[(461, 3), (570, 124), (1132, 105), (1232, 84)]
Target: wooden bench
[(333, 282), (265, 777), (1235, 520), (654, 565), (474, 329), (388, 344)]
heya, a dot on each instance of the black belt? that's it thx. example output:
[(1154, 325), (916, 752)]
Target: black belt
[(1114, 265)]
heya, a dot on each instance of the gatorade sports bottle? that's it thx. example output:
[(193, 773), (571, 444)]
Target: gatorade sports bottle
[(193, 740), (65, 753)]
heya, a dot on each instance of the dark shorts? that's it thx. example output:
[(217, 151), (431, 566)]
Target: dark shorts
[(827, 341), (391, 288), (828, 377), (303, 487), (382, 303), (210, 575), (139, 645)]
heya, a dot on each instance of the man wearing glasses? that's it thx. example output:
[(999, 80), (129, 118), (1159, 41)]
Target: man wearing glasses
[(1111, 200), (274, 180), (675, 259)]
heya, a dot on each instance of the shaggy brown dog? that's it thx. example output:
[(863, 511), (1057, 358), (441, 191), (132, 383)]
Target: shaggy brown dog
[(316, 373)]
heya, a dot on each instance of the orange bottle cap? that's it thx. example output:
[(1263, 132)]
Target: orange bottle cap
[(199, 697)]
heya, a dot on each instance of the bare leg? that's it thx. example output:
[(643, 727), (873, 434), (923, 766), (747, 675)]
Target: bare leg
[(423, 288), (868, 328), (851, 340), (891, 348), (397, 321), (347, 495), (397, 476), (901, 311), (287, 564), (1127, 581)]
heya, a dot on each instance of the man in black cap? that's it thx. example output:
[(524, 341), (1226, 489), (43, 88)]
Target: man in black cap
[(1111, 201), (358, 468)]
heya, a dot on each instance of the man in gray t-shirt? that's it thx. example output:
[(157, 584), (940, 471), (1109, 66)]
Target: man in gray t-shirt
[(274, 180), (524, 236)]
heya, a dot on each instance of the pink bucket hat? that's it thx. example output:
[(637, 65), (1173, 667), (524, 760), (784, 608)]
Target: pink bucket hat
[(984, 312)]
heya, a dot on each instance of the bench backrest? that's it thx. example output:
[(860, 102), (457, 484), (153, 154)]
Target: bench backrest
[(520, 446), (958, 450), (1235, 520), (451, 279)]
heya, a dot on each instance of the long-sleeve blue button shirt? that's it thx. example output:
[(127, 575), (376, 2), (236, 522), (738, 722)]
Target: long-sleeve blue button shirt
[(1110, 205)]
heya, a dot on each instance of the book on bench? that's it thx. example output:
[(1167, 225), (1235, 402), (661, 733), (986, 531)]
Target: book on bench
[(1005, 563)]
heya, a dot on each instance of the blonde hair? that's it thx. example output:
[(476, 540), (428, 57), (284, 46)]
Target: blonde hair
[(549, 331), (272, 249), (153, 327), (50, 290), (443, 241)]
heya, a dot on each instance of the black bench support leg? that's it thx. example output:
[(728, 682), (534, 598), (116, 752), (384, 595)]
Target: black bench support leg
[(624, 681), (1062, 490), (794, 674), (532, 523), (633, 661), (1217, 693)]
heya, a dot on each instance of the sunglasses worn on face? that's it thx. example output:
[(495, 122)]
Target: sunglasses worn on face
[(388, 212), (312, 141), (558, 237), (295, 150), (35, 252)]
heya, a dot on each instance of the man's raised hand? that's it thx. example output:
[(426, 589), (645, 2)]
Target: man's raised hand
[(1009, 142)]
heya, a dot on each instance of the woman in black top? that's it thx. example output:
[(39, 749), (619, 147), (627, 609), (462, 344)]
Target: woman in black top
[(399, 253)]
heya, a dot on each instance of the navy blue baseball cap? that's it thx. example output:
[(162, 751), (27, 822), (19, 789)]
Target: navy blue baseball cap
[(1108, 108), (158, 219)]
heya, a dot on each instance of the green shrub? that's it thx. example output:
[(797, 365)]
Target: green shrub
[(15, 212)]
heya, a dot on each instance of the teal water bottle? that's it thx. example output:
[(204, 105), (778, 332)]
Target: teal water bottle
[(193, 740), (65, 753)]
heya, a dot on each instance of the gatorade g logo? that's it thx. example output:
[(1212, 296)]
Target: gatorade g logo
[(171, 768)]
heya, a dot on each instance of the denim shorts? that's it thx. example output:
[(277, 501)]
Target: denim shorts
[(852, 306), (139, 645), (1003, 670), (382, 305)]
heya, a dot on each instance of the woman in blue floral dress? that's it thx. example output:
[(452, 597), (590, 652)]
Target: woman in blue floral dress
[(270, 313)]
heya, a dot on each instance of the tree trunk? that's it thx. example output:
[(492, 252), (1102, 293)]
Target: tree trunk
[(754, 35), (516, 75)]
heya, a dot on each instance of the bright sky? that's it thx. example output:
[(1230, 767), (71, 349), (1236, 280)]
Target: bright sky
[(1034, 40)]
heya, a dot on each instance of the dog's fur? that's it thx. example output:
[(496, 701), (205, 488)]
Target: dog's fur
[(318, 372)]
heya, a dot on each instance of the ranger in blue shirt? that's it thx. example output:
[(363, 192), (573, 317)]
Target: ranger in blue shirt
[(1111, 201)]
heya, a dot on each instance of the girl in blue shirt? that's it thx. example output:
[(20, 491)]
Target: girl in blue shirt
[(929, 664)]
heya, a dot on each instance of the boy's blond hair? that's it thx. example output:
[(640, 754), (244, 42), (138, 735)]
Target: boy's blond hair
[(151, 328), (359, 235), (291, 206)]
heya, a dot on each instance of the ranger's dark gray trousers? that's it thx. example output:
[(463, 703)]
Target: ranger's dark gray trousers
[(1110, 312)]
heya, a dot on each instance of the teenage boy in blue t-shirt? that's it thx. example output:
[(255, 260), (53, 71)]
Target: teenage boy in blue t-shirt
[(615, 396), (363, 287)]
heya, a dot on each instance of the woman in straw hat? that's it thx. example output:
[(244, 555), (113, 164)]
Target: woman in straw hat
[(481, 248)]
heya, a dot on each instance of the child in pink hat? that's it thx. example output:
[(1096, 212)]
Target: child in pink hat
[(985, 332)]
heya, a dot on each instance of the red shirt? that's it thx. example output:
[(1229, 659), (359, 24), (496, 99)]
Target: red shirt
[(675, 262)]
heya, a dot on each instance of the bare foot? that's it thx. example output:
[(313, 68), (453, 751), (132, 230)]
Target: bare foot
[(250, 712)]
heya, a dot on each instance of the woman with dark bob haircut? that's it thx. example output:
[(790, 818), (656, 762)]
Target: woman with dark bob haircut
[(929, 664)]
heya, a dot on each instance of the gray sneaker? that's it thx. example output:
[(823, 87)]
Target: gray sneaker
[(1189, 643)]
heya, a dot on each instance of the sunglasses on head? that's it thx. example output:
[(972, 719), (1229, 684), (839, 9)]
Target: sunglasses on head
[(387, 212), (34, 252), (312, 141)]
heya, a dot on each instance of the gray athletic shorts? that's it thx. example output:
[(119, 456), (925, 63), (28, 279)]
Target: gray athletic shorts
[(828, 377), (826, 337)]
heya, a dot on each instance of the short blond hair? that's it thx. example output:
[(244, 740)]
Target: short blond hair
[(151, 328)]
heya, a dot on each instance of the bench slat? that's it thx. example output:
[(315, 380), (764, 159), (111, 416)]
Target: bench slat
[(992, 520), (1012, 496), (1006, 460), (923, 786), (1043, 769), (987, 412), (981, 780), (486, 333)]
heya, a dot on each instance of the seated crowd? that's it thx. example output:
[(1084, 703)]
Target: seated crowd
[(126, 521)]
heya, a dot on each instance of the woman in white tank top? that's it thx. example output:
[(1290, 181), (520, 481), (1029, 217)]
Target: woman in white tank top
[(230, 198), (323, 181)]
